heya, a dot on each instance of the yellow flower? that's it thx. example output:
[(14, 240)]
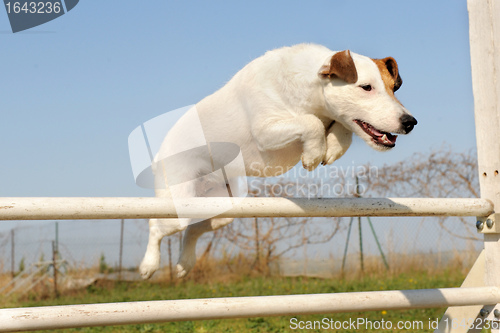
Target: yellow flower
[(384, 312)]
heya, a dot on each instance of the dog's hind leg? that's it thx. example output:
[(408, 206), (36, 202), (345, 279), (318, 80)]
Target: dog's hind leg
[(159, 228), (187, 259)]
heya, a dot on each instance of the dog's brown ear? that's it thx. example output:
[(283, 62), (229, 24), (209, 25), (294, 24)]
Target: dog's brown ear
[(341, 66), (392, 68)]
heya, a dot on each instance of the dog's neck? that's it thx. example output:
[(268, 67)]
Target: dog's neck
[(326, 120), (327, 127)]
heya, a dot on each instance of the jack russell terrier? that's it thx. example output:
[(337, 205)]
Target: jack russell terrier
[(299, 103)]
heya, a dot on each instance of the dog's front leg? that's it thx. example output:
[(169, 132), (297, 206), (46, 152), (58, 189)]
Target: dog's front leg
[(275, 133), (338, 140)]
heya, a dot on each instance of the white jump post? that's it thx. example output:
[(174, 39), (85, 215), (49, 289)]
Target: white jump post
[(484, 36)]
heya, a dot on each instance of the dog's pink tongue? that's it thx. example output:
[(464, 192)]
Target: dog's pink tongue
[(375, 131)]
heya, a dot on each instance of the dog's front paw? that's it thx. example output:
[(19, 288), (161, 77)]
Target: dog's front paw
[(148, 267), (333, 153), (313, 156), (338, 140), (310, 162)]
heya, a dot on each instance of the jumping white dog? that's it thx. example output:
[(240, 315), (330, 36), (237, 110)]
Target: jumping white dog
[(294, 103)]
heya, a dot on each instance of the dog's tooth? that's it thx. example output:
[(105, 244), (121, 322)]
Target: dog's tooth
[(384, 138)]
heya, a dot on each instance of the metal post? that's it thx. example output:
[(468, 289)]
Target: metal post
[(378, 243), (12, 253), (361, 245), (121, 250), (57, 237), (347, 243), (358, 195), (170, 271), (257, 244), (54, 266)]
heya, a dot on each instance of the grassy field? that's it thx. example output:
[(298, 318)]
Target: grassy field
[(209, 283)]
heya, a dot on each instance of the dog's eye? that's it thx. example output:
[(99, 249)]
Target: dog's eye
[(366, 87)]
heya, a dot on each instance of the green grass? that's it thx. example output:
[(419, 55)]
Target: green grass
[(106, 291)]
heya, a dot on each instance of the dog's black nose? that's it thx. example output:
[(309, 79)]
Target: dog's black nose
[(408, 122)]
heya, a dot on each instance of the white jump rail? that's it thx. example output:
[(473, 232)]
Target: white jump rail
[(86, 315), (134, 208)]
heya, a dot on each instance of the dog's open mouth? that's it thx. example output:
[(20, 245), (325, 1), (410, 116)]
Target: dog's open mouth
[(379, 137)]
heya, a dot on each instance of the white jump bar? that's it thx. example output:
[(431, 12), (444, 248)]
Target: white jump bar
[(127, 313), (69, 208)]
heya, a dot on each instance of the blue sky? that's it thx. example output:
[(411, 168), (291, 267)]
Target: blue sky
[(74, 88)]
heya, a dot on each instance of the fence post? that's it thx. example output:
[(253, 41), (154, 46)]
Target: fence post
[(257, 244), (12, 253), (170, 271), (121, 250), (54, 264)]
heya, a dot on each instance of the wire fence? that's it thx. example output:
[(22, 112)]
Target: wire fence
[(281, 243), (87, 244)]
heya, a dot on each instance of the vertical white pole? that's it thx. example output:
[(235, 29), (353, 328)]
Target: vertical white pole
[(484, 36)]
